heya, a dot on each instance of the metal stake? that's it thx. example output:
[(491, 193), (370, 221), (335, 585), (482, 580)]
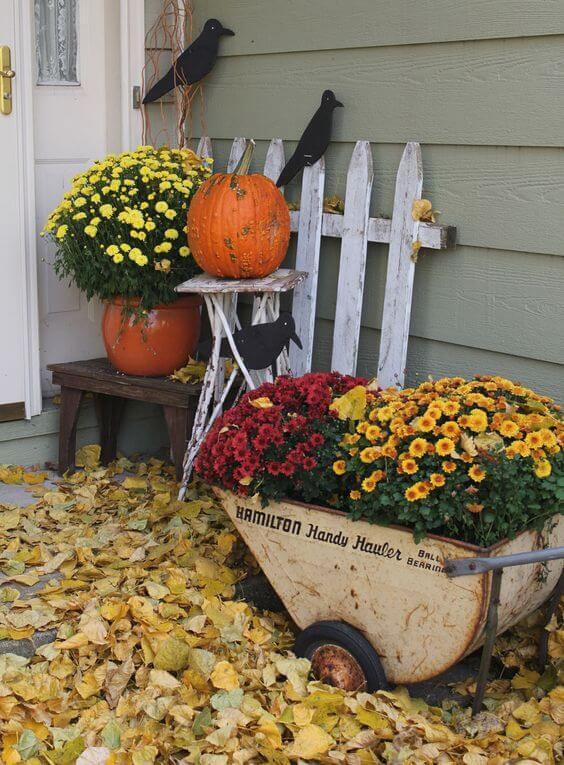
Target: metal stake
[(491, 632), (551, 607)]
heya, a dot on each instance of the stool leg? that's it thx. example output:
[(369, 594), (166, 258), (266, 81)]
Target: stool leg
[(109, 410), (179, 422), (71, 398)]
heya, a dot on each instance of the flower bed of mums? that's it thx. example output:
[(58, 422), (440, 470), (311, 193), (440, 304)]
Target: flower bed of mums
[(477, 461)]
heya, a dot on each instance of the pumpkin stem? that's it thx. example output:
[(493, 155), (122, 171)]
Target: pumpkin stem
[(245, 161)]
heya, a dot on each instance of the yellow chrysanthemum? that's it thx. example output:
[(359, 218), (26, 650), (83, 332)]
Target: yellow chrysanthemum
[(90, 231), (437, 479), (170, 214), (534, 440), (373, 432), (448, 466), (113, 249), (368, 455), (339, 467), (355, 494), (118, 257), (418, 447), (548, 437), (106, 211), (450, 408), (161, 206), (477, 473), (184, 252), (508, 428), (451, 430), (62, 231), (409, 466), (426, 423), (444, 446), (478, 420), (368, 485), (411, 494), (543, 469)]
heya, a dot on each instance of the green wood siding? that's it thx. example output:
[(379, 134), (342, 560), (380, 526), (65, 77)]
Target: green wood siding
[(481, 86)]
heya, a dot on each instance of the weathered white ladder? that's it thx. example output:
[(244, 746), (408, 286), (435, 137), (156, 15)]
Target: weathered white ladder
[(355, 229)]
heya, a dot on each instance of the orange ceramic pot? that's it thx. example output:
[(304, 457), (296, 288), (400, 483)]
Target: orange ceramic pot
[(158, 343)]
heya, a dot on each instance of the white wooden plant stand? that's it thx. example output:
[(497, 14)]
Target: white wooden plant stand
[(220, 297), (356, 229)]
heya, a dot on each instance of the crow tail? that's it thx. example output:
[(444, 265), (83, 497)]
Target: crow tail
[(161, 88), (293, 167)]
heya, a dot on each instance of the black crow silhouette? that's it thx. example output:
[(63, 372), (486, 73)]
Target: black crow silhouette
[(314, 141), (192, 65), (259, 344)]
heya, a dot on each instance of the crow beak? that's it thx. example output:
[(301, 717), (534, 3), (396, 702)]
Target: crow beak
[(297, 340), (338, 103), (228, 32)]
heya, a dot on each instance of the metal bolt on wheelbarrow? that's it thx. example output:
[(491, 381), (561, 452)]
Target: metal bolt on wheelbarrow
[(472, 566)]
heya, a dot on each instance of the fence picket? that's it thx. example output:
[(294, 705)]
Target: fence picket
[(307, 259), (204, 147), (401, 270), (353, 260), (237, 149), (275, 159)]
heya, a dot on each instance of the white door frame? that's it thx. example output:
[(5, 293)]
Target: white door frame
[(24, 57), (132, 39), (132, 33)]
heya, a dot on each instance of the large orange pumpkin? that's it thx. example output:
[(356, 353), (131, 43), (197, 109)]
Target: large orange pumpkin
[(238, 226)]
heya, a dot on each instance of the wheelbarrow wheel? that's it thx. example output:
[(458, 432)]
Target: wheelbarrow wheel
[(341, 656)]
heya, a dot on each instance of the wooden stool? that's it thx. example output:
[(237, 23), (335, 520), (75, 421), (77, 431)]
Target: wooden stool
[(221, 297), (111, 389)]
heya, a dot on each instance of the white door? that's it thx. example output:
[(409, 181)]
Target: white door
[(78, 118), (17, 271)]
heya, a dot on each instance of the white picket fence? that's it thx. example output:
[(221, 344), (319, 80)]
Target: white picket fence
[(355, 229)]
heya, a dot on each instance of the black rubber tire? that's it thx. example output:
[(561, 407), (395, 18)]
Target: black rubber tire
[(258, 591), (349, 638)]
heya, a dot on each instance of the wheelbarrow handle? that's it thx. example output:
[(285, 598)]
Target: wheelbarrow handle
[(471, 566)]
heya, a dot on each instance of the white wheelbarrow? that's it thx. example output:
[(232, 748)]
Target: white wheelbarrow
[(374, 606)]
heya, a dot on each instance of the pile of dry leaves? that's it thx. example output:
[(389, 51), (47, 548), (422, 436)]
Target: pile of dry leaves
[(154, 662)]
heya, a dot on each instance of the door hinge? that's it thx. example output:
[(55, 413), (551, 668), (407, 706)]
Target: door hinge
[(136, 96)]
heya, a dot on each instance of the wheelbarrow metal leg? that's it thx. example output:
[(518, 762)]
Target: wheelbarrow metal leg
[(551, 607), (487, 650)]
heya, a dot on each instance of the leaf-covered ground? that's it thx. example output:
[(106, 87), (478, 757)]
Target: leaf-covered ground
[(154, 662)]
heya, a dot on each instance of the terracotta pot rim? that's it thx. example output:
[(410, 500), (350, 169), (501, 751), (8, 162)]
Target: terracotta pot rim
[(186, 300)]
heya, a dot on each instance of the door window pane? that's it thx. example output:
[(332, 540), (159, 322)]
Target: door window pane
[(56, 42)]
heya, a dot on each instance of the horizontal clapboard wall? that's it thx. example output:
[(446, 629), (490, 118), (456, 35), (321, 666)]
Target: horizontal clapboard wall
[(480, 84)]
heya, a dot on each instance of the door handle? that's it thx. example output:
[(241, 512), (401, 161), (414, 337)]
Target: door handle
[(7, 74)]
